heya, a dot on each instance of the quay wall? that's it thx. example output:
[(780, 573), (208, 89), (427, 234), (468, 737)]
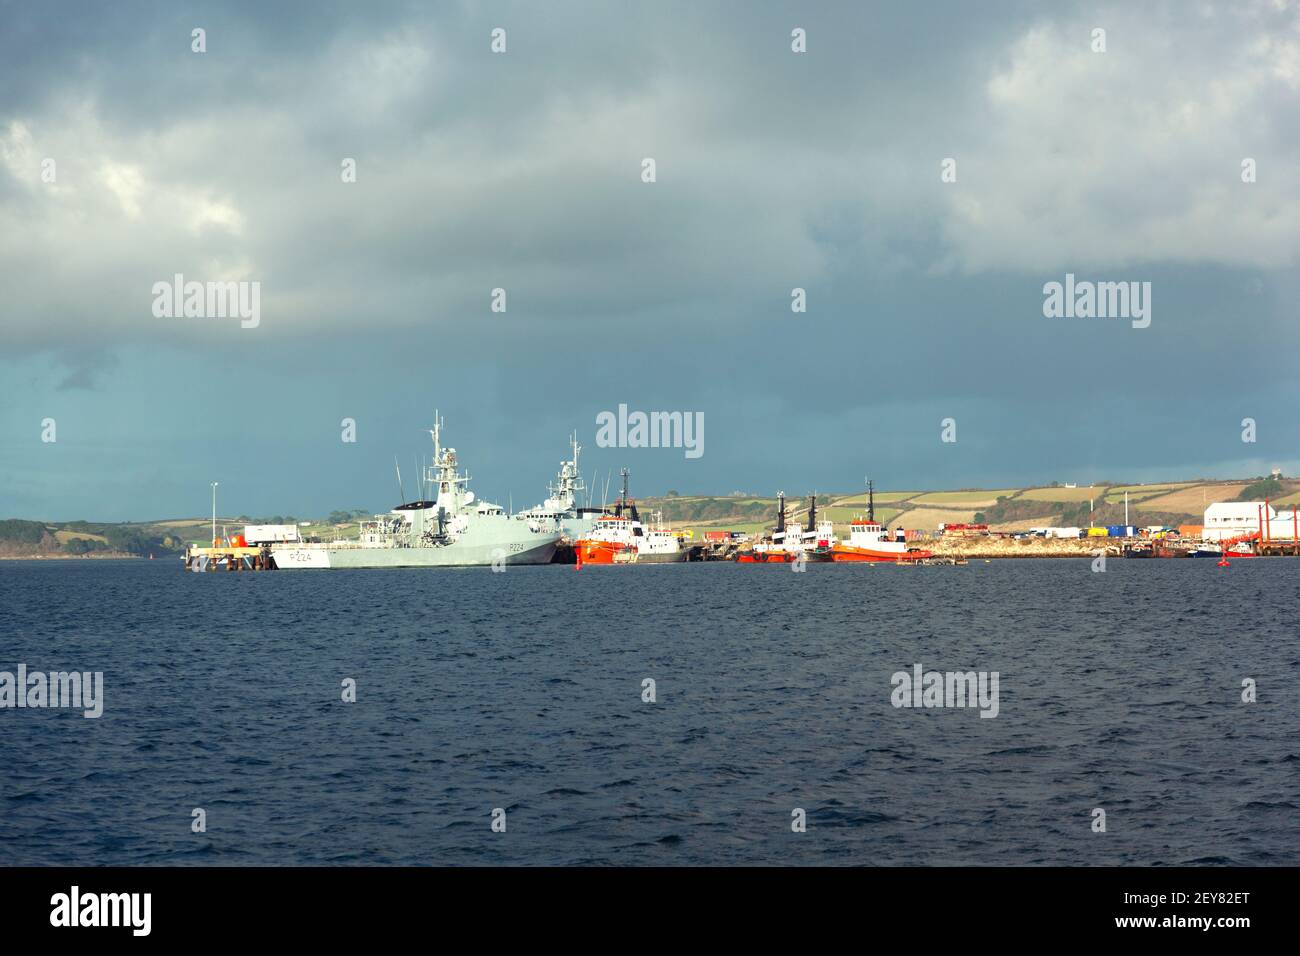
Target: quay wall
[(983, 547)]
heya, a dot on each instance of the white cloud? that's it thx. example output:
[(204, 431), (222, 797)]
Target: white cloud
[(1116, 159), (17, 153), (208, 213), (126, 183)]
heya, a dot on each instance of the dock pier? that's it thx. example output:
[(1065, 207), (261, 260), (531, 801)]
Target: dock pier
[(229, 559), (1278, 547)]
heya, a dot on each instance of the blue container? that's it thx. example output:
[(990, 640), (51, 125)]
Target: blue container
[(1115, 531)]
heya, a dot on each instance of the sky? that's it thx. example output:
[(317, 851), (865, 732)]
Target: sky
[(523, 170)]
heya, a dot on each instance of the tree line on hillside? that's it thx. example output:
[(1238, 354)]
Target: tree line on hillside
[(17, 531), (1263, 488), (712, 509), (123, 539)]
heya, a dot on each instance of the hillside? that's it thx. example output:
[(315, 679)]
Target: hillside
[(1003, 509), (19, 539), (69, 539)]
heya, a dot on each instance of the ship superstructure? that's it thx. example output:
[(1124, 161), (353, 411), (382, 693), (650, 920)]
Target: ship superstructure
[(561, 505)]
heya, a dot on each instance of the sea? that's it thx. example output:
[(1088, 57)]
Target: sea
[(690, 714)]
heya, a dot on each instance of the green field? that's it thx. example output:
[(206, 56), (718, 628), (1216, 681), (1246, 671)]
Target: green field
[(1141, 489), (861, 499), (841, 515), (963, 497), (1062, 494)]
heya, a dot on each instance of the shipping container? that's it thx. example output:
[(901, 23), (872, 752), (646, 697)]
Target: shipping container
[(270, 533), (1062, 532)]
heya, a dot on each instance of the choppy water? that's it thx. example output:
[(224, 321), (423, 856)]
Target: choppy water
[(523, 691)]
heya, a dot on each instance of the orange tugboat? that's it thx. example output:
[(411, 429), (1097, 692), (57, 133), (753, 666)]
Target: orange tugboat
[(623, 539), (869, 541)]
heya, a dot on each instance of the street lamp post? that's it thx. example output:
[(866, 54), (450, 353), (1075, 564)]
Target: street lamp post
[(214, 513)]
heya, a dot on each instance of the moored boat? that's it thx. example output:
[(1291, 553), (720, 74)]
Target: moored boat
[(1241, 546), (621, 538), (455, 529), (790, 543), (869, 541)]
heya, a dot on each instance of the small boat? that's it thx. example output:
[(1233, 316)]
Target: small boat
[(1242, 546), (870, 541)]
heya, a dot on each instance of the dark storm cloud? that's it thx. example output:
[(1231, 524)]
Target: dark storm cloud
[(775, 170)]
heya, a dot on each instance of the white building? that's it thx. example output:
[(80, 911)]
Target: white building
[(1227, 519), (1284, 522)]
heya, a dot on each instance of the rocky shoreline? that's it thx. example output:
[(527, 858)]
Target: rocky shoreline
[(955, 547)]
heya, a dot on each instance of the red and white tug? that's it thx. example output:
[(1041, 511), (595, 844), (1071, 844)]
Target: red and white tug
[(792, 543), (869, 541), (621, 538)]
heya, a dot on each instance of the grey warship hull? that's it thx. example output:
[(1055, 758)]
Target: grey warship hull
[(305, 557)]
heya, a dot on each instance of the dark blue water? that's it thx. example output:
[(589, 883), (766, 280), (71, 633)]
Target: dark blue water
[(522, 691)]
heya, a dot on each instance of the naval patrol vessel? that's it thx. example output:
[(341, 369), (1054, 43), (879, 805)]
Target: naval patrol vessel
[(454, 530)]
